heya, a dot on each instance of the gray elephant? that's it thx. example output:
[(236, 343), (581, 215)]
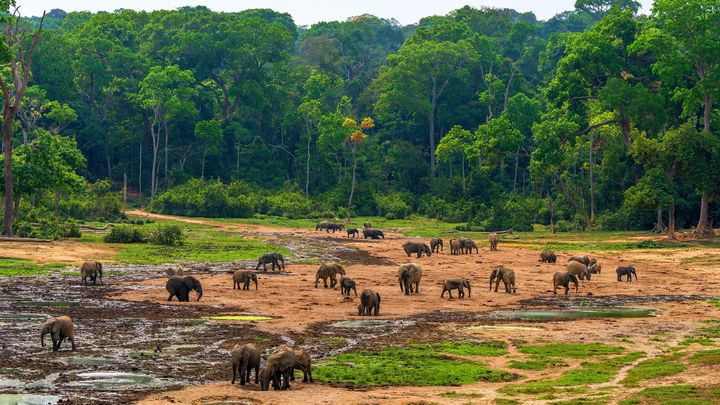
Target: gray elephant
[(277, 368), (409, 275), (455, 247), (507, 276), (373, 233), (579, 270), (347, 284), (459, 284), (244, 277), (418, 248), (279, 260), (595, 268), (59, 328), (269, 258), (367, 225), (626, 271), (180, 287), (564, 279), (494, 238), (303, 362), (467, 245), (548, 257), (243, 359), (322, 225), (334, 227), (436, 245), (353, 232), (91, 270), (369, 303), (328, 270), (581, 259)]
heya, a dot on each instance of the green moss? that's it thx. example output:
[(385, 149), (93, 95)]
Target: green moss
[(404, 366), (706, 357), (25, 267), (680, 395), (574, 381), (505, 401), (483, 348), (575, 350), (715, 301), (536, 363), (660, 366)]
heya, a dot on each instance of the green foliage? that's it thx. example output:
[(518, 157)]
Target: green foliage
[(482, 348), (678, 394), (125, 234), (10, 267), (536, 363), (574, 350), (654, 368), (169, 235), (706, 357), (393, 205), (291, 204)]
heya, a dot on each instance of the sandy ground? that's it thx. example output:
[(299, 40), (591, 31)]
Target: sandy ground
[(65, 251)]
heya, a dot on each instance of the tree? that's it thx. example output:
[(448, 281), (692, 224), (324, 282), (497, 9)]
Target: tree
[(210, 135), (16, 51)]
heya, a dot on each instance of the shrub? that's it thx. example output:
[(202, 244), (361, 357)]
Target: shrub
[(97, 201), (125, 234), (169, 235), (290, 204), (516, 212), (393, 205)]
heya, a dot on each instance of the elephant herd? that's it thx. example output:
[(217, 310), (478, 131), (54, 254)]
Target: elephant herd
[(367, 232), (279, 367), (581, 267)]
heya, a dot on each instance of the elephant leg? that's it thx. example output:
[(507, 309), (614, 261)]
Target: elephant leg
[(243, 373), (170, 297), (292, 374), (257, 373)]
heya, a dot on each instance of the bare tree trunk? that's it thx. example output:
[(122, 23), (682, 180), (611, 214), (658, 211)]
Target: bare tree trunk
[(124, 190), (571, 199), (671, 221), (7, 160), (660, 224), (552, 213), (431, 124), (590, 178), (202, 169), (57, 202), (352, 185), (140, 176), (706, 113), (462, 166), (517, 163), (165, 125), (702, 226), (155, 129), (307, 167)]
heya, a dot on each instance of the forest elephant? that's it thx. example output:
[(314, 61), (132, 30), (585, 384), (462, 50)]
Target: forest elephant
[(595, 268), (353, 232), (279, 260), (322, 225), (244, 359), (244, 277), (507, 276), (409, 275), (347, 284), (564, 279), (626, 271), (59, 328), (328, 270), (459, 284), (578, 269), (415, 247), (581, 259), (180, 287), (455, 247), (436, 245), (303, 362), (268, 258), (91, 270), (494, 238), (369, 303), (277, 368), (548, 257), (367, 225), (467, 245), (373, 233)]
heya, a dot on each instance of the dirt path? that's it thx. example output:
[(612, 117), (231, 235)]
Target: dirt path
[(64, 251)]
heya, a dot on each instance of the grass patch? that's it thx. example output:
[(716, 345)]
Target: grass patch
[(455, 394), (505, 401), (715, 301), (660, 366), (583, 401), (24, 267), (484, 348), (404, 366), (574, 350), (676, 395), (240, 318), (574, 381), (536, 363), (706, 357)]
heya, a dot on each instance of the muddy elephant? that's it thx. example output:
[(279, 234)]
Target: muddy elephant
[(417, 248), (579, 270), (564, 279), (373, 233), (595, 268), (467, 245), (494, 238), (279, 260), (369, 303), (455, 247), (303, 362), (581, 259), (244, 277), (277, 368), (328, 270), (180, 287), (59, 328), (353, 232), (548, 257), (347, 284), (267, 258), (436, 245), (507, 276), (626, 271), (459, 284), (409, 275), (244, 359), (91, 270)]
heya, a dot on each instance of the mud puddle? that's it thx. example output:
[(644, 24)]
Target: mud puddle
[(29, 399), (588, 312)]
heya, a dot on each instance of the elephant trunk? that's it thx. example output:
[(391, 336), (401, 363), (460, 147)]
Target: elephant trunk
[(469, 290), (199, 293), (42, 338), (492, 278), (256, 287)]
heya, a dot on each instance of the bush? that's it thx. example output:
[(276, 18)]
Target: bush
[(98, 201), (439, 208), (290, 204), (393, 205), (625, 220), (125, 234), (169, 235), (516, 212), (208, 198)]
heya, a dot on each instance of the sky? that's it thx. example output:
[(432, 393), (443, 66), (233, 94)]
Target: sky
[(308, 12)]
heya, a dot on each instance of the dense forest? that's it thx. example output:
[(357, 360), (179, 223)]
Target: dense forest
[(597, 117)]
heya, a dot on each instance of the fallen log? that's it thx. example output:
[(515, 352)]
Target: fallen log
[(16, 239)]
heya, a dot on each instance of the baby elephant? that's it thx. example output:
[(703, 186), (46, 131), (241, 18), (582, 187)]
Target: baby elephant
[(506, 275), (564, 279), (353, 232), (436, 245), (409, 275), (59, 328), (373, 233), (414, 247), (494, 238), (91, 270), (347, 284), (277, 368), (455, 284), (369, 303), (245, 277), (328, 270), (548, 257), (467, 246), (245, 358), (595, 268), (626, 271)]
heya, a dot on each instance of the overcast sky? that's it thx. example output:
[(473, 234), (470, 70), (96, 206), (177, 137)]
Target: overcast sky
[(307, 12)]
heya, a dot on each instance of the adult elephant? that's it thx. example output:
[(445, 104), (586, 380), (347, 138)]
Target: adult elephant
[(180, 287)]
